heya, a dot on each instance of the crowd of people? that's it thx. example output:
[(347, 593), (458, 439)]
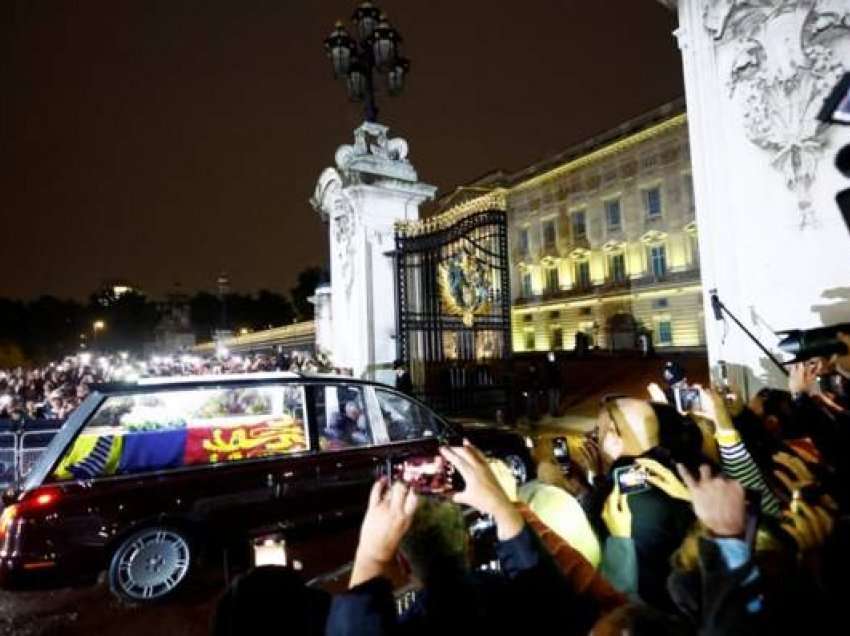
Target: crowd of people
[(721, 518), (53, 391), (691, 512)]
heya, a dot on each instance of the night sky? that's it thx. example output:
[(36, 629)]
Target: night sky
[(161, 141)]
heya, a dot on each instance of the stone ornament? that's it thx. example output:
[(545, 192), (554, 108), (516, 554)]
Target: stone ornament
[(781, 65), (337, 208), (375, 153)]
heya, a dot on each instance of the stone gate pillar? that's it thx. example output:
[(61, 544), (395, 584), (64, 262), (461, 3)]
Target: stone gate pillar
[(772, 240), (372, 187)]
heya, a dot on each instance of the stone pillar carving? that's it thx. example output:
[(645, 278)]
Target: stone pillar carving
[(323, 319), (771, 239), (372, 186)]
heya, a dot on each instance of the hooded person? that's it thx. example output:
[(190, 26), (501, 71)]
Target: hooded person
[(647, 524)]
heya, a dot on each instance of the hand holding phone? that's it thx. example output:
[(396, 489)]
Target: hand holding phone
[(431, 475), (687, 398)]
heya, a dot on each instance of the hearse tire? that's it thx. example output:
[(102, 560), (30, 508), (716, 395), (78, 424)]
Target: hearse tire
[(151, 565)]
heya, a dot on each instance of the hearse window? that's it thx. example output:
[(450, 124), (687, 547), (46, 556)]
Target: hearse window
[(405, 419), (146, 432), (341, 417)]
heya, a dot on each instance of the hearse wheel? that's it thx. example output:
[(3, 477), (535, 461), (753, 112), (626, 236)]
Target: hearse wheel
[(150, 564), (518, 467)]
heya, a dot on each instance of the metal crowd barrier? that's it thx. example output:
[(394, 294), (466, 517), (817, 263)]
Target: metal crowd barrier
[(21, 444)]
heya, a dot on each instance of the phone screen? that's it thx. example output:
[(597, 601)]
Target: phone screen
[(631, 479), (561, 449), (687, 399), (426, 475)]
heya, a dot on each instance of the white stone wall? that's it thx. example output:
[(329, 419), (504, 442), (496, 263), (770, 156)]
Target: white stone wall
[(771, 239), (372, 187)]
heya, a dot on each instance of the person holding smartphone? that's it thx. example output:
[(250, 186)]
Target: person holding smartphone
[(639, 443), (529, 579)]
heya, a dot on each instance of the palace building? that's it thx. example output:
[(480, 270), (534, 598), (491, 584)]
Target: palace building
[(603, 239)]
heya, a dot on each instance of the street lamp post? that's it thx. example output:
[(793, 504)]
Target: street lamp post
[(97, 326), (374, 51)]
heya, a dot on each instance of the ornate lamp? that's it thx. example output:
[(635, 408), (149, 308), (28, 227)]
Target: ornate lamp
[(341, 49), (397, 74), (374, 50), (384, 43), (357, 82), (366, 18)]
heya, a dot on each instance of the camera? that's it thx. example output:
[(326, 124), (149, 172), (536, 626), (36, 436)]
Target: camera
[(813, 343), (426, 475), (687, 398), (631, 479), (561, 453)]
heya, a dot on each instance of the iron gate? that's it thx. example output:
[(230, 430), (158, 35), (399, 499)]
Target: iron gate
[(453, 308)]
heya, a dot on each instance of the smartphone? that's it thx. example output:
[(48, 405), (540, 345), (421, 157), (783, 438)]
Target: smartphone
[(430, 475), (687, 399), (631, 479), (269, 550), (753, 503), (561, 452)]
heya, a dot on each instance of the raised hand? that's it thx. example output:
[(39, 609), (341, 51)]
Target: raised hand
[(714, 409), (718, 502), (656, 393), (388, 517), (617, 515), (802, 378), (663, 479), (483, 491)]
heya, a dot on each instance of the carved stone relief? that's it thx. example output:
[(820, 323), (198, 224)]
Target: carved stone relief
[(335, 205), (781, 64)]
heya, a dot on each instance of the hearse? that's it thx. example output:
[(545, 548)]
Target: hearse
[(143, 476)]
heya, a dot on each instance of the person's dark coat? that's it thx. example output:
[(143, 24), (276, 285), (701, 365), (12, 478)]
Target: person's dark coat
[(719, 600), (552, 375), (659, 524), (526, 596)]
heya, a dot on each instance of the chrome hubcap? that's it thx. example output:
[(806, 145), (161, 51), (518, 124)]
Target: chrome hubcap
[(153, 564)]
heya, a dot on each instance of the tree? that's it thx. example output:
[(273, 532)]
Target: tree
[(129, 322), (272, 309), (11, 355), (53, 328), (205, 312), (305, 287)]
